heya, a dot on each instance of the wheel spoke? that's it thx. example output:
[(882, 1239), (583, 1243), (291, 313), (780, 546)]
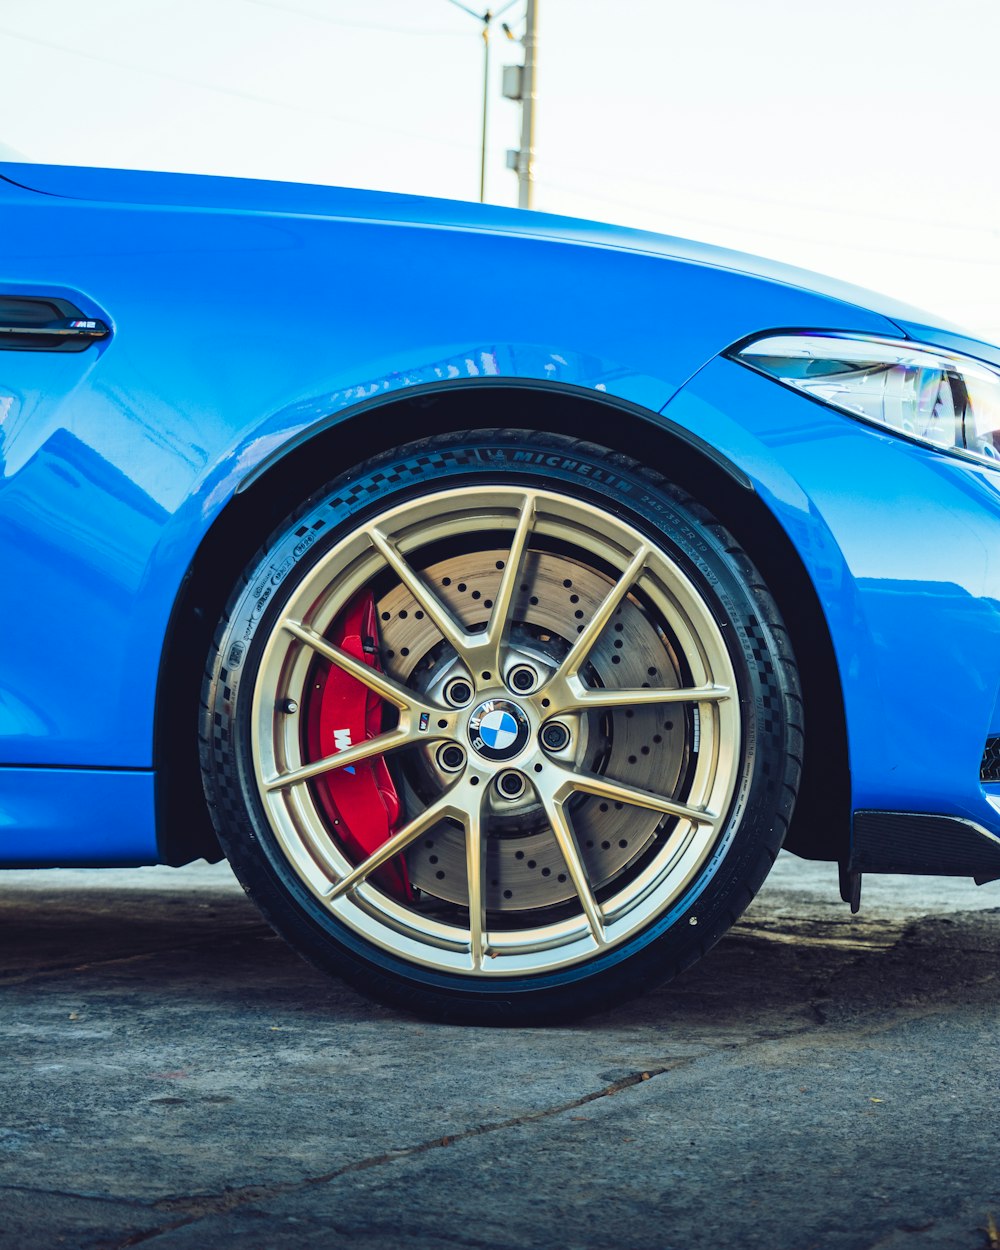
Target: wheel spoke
[(379, 745), (619, 792), (581, 648), (562, 830), (441, 807), (584, 697), (499, 623), (392, 691), (475, 864), (418, 588)]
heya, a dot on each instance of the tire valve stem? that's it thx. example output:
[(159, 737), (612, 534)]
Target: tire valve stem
[(289, 706)]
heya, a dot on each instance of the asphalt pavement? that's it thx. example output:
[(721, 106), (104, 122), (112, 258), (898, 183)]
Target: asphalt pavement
[(173, 1076)]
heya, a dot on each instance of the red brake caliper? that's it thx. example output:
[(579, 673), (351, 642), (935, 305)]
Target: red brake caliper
[(360, 801)]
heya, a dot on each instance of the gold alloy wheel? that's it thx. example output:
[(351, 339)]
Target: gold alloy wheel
[(554, 804)]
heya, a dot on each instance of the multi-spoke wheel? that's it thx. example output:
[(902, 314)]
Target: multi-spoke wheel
[(501, 727)]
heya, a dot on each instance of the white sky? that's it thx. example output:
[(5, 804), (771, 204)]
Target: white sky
[(856, 137)]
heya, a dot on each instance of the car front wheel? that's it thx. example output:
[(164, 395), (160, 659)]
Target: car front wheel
[(501, 727)]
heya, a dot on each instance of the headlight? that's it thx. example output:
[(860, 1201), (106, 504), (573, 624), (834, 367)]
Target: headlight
[(949, 401)]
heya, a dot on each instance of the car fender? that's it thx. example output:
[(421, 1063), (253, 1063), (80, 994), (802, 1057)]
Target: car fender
[(910, 585)]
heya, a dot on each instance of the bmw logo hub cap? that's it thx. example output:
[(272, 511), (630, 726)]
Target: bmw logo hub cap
[(498, 729)]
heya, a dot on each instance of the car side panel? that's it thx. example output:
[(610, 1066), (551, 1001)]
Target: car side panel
[(76, 816)]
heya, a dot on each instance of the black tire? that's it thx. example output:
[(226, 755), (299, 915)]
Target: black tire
[(766, 762)]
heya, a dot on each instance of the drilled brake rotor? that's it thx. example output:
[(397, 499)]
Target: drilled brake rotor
[(645, 747)]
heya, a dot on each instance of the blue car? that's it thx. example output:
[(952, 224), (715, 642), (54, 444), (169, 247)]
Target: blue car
[(496, 592)]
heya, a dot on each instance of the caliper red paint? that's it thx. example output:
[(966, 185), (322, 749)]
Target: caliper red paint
[(359, 801)]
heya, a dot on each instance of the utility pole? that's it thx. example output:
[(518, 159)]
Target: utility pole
[(487, 20), (526, 154), (519, 85)]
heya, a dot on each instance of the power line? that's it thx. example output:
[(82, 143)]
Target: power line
[(347, 25), (763, 232), (728, 193), (465, 9), (482, 17), (236, 92)]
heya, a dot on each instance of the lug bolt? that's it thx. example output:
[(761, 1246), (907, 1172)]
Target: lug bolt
[(522, 678), (555, 736), (458, 692), (450, 758), (511, 784)]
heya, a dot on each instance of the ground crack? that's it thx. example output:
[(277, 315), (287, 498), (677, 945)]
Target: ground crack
[(197, 1207)]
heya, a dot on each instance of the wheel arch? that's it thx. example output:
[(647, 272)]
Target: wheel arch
[(821, 827)]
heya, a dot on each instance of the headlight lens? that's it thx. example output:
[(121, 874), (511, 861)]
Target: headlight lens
[(950, 401)]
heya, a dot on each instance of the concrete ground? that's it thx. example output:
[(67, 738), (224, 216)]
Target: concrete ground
[(173, 1076)]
